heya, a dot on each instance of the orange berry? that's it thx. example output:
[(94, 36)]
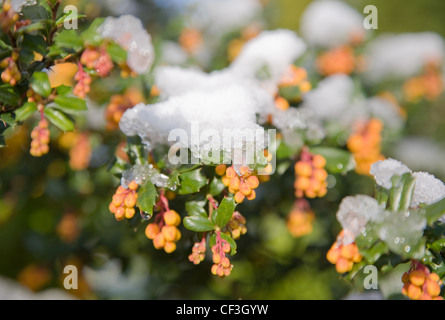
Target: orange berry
[(152, 230), (348, 251), (169, 233), (432, 288), (226, 247), (405, 277), (225, 180), (244, 188), (333, 254), (216, 258), (343, 265), (252, 195), (413, 291), (417, 278), (302, 183), (318, 161), (172, 218), (220, 169), (303, 169), (305, 86), (129, 213), (239, 197), (253, 182), (230, 172), (225, 262), (234, 183), (130, 200), (169, 247), (159, 241), (120, 213), (133, 185), (320, 174), (281, 103)]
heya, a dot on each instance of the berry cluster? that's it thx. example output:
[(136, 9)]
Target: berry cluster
[(294, 77), (190, 40), (343, 256), (429, 85), (119, 103), (40, 139), (164, 231), (11, 73), (8, 17), (98, 60), (80, 152), (310, 175), (337, 60), (420, 283), (242, 185), (124, 201), (237, 225), (222, 266), (364, 143), (82, 86), (299, 220), (198, 252)]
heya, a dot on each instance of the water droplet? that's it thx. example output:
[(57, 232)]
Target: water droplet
[(339, 166), (396, 240), (146, 215), (407, 249)]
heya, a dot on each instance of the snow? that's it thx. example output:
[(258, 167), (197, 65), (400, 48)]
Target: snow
[(428, 189), (129, 33), (354, 213), (330, 23), (383, 170), (403, 55)]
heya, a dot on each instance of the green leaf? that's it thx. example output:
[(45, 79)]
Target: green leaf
[(290, 93), (38, 25), (191, 181), (337, 160), (25, 111), (434, 211), (8, 95), (147, 197), (230, 240), (5, 49), (198, 224), (69, 39), (34, 42), (58, 118), (135, 150), (216, 186), (375, 252), (63, 90), (71, 105), (196, 208), (116, 52), (40, 84), (222, 215), (60, 20), (91, 36), (401, 192)]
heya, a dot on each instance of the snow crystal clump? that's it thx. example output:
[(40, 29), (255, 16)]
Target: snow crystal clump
[(267, 57), (383, 170), (331, 23), (128, 32), (404, 55), (354, 213), (17, 5), (141, 173), (219, 17), (427, 190), (198, 116), (332, 100)]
